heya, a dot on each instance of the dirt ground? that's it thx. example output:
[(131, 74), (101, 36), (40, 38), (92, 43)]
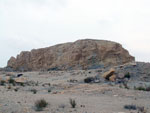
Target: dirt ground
[(58, 87)]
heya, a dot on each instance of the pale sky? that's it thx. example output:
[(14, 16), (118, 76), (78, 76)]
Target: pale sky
[(29, 24)]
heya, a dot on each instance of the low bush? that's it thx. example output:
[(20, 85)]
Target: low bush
[(127, 75), (89, 80), (34, 91), (126, 85), (73, 103), (40, 105), (16, 89), (130, 107), (142, 88), (22, 84), (49, 90), (2, 82), (11, 81), (140, 109), (73, 81)]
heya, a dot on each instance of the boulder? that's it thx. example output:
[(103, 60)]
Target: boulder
[(81, 54), (19, 75), (108, 74), (20, 80), (112, 78)]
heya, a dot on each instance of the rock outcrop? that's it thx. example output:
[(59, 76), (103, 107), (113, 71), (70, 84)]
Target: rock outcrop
[(82, 54)]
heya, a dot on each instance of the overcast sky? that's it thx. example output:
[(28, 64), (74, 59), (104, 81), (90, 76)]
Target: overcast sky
[(29, 24)]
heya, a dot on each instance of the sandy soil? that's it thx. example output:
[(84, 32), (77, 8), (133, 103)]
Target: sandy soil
[(90, 98)]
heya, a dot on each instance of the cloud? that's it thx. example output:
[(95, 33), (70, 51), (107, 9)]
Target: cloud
[(27, 24)]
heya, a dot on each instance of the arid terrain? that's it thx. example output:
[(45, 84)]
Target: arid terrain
[(85, 76), (58, 87)]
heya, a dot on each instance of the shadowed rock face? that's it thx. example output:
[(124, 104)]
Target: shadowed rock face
[(82, 54)]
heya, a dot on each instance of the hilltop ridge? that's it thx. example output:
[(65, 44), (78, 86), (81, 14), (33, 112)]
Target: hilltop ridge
[(81, 54)]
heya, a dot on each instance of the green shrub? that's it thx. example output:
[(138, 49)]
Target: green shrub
[(16, 89), (11, 81), (127, 75), (40, 105), (49, 90), (34, 91), (126, 85), (130, 107), (140, 109), (88, 79), (2, 82), (22, 84), (73, 103), (141, 88)]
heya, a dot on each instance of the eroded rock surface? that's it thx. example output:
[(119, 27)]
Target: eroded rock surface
[(82, 54)]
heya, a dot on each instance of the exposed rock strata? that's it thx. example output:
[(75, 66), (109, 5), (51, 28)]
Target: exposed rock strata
[(82, 54)]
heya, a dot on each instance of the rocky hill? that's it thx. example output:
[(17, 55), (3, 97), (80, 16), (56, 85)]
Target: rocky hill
[(82, 54)]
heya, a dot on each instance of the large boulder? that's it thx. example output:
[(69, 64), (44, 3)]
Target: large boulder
[(82, 54), (107, 75)]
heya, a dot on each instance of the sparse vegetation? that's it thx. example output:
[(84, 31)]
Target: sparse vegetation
[(34, 91), (2, 82), (11, 81), (142, 88), (16, 89), (134, 107), (37, 83), (72, 91), (49, 84), (49, 90), (130, 107), (127, 75), (22, 84), (73, 81), (88, 80), (73, 103), (40, 105), (126, 85), (141, 109)]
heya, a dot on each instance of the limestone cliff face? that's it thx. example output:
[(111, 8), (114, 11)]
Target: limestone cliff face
[(82, 54)]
